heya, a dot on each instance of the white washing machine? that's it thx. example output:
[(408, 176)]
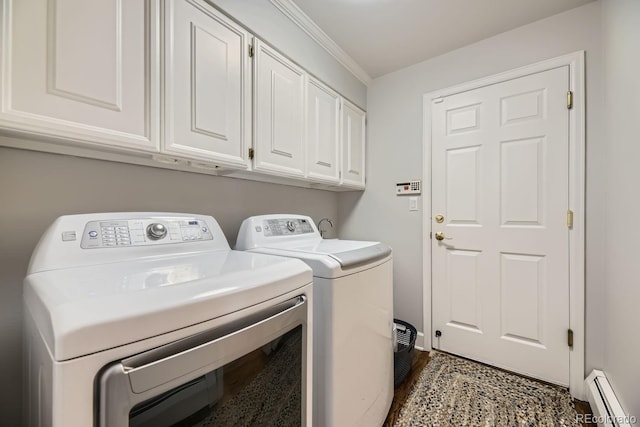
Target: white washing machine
[(150, 319), (353, 316)]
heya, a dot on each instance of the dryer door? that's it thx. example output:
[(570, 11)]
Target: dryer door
[(249, 372)]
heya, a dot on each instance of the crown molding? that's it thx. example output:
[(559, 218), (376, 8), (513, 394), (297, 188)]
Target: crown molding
[(306, 24)]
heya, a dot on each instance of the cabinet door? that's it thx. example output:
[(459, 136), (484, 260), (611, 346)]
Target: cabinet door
[(278, 113), (323, 133), (81, 70), (353, 145), (207, 85)]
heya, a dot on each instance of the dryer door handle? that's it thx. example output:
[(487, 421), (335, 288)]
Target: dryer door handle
[(232, 342)]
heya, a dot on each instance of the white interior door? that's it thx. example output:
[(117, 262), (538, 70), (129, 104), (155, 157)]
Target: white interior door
[(500, 161)]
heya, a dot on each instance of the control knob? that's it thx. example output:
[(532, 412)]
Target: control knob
[(156, 231), (291, 226)]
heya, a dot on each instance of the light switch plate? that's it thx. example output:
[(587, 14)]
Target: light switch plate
[(413, 203)]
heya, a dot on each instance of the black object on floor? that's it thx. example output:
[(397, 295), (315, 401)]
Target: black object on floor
[(404, 341)]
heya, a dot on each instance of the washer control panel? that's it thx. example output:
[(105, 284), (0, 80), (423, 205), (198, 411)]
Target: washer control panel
[(286, 227), (143, 232)]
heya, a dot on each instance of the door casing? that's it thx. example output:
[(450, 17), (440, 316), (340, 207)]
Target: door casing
[(575, 61)]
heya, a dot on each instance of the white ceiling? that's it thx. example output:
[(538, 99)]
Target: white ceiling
[(385, 35)]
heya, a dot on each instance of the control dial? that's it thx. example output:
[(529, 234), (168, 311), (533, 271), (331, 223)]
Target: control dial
[(291, 226), (156, 231)]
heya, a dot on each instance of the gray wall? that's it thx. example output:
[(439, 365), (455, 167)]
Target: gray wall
[(37, 187), (621, 31), (395, 151), (267, 22)]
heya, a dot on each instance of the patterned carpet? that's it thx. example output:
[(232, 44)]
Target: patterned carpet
[(452, 391)]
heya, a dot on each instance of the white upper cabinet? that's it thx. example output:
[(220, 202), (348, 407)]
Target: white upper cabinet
[(81, 70), (207, 85), (279, 93), (353, 146), (170, 83), (323, 133)]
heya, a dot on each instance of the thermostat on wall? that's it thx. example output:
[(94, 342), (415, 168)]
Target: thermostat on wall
[(410, 187)]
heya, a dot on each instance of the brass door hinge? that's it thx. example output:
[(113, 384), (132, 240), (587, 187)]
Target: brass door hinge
[(251, 153), (569, 100), (570, 218), (570, 338), (251, 51)]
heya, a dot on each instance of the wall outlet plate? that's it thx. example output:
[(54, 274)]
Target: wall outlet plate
[(409, 187)]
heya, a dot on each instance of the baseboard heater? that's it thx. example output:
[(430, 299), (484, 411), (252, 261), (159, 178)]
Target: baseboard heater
[(604, 403)]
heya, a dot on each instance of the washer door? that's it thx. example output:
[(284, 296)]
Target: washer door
[(249, 372)]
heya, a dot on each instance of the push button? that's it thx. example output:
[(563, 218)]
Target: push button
[(68, 236)]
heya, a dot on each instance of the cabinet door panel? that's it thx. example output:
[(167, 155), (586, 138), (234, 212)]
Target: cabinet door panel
[(206, 85), (68, 51), (278, 114), (323, 133), (81, 70), (353, 146)]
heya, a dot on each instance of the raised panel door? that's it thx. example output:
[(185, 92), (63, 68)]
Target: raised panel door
[(279, 121), (500, 179), (353, 146), (84, 71), (207, 85), (323, 133)]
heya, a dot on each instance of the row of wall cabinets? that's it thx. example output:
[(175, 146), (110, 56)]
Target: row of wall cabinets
[(173, 80)]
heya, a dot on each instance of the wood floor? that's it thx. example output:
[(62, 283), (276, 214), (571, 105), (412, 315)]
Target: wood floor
[(420, 360), (400, 394)]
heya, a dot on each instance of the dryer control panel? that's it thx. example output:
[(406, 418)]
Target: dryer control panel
[(91, 239), (142, 232)]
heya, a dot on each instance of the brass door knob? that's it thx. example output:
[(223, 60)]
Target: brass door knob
[(440, 235), (439, 219)]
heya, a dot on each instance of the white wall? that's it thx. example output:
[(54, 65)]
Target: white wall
[(271, 25), (395, 151), (621, 37)]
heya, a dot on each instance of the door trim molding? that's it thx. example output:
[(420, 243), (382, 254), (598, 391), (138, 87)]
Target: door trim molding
[(575, 61)]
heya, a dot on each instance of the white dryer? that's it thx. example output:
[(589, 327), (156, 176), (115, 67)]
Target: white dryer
[(150, 319), (353, 316)]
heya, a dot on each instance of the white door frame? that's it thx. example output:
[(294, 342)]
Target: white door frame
[(575, 61)]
